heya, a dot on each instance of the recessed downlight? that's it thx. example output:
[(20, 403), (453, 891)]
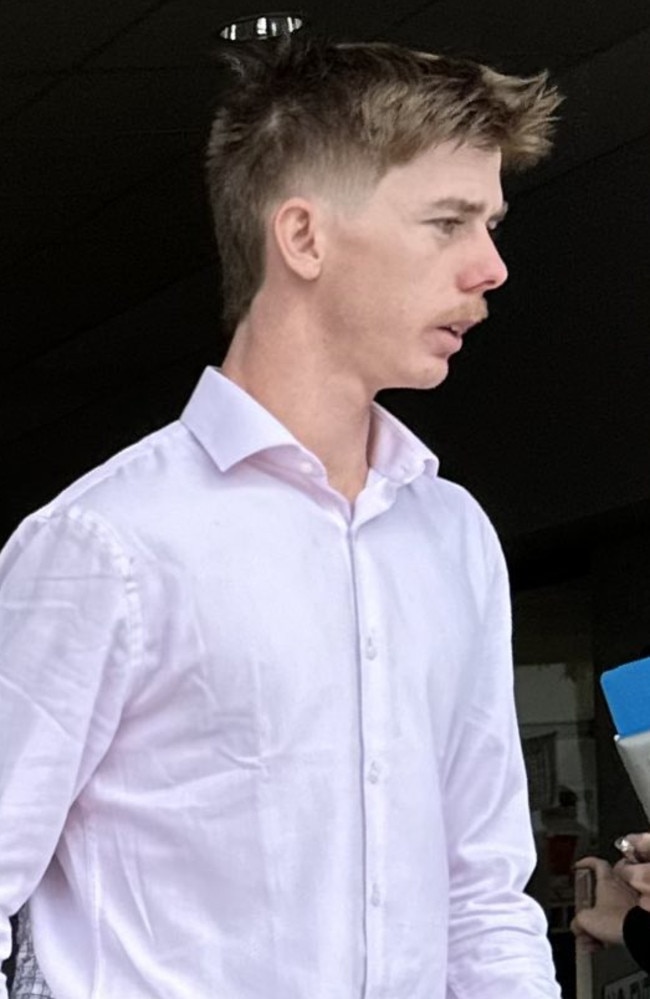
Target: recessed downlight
[(258, 27)]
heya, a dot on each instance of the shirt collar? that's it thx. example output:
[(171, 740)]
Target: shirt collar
[(229, 423), (232, 426), (397, 453)]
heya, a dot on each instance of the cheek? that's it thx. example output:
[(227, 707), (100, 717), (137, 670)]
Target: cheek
[(379, 282)]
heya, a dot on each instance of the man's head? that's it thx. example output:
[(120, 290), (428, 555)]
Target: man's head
[(339, 117)]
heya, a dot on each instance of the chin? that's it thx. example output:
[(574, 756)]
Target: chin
[(423, 376), (428, 377)]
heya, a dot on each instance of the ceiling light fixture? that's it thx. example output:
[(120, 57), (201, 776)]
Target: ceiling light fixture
[(259, 27)]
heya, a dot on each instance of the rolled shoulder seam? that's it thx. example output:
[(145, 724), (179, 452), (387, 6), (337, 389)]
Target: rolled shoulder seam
[(106, 537)]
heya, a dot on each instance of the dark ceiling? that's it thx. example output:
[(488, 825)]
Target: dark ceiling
[(109, 281)]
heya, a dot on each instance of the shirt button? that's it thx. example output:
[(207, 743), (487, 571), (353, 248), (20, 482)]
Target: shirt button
[(306, 467), (371, 649), (375, 897), (373, 773)]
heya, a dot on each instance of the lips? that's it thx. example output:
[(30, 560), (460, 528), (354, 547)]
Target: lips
[(458, 329), (458, 321)]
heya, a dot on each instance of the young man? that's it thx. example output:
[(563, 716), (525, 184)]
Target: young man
[(256, 687)]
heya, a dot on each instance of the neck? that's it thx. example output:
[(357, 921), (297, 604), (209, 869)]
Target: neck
[(325, 408)]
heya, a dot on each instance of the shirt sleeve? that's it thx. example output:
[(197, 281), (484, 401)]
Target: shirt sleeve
[(497, 934), (636, 934), (68, 647)]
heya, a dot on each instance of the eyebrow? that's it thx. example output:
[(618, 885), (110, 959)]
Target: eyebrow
[(470, 208)]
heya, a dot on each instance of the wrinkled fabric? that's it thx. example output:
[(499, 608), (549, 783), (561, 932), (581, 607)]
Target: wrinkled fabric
[(258, 743)]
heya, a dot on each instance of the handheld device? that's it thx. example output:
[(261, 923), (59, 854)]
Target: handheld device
[(584, 885)]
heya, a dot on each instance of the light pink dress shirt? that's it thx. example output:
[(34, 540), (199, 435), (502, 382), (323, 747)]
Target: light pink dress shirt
[(257, 744)]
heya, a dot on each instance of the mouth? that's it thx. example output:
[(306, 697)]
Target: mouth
[(458, 330)]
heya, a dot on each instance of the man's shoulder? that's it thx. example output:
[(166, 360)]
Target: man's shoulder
[(458, 519), (448, 498), (457, 497), (135, 486), (138, 465)]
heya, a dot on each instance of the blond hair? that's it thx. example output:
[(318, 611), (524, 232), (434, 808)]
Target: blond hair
[(320, 109)]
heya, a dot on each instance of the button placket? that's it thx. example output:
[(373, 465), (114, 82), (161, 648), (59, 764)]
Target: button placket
[(370, 650), (373, 735)]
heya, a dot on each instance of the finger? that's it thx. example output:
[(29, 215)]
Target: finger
[(599, 866), (636, 875), (576, 928), (640, 843), (585, 943)]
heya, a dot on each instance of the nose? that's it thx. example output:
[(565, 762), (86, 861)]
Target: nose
[(484, 268)]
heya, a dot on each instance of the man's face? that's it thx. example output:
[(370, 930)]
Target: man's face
[(407, 270)]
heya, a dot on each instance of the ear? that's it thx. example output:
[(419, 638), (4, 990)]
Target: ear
[(298, 237)]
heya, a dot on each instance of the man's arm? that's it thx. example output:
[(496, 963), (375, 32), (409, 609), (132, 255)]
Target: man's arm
[(68, 641), (497, 935)]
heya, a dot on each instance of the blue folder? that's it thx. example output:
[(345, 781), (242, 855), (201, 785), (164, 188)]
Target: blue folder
[(627, 692)]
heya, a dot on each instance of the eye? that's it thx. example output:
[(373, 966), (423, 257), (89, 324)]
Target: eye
[(447, 226)]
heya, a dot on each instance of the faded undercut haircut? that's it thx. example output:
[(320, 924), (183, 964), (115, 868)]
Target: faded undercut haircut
[(347, 113)]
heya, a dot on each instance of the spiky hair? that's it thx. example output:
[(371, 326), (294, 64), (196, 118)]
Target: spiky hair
[(304, 107)]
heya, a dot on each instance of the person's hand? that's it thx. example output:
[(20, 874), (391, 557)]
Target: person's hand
[(635, 847), (637, 875), (602, 924)]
